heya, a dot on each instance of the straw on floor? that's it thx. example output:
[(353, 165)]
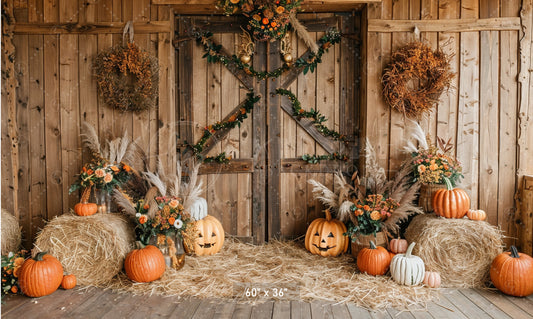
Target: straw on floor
[(11, 235), (279, 264), (91, 247), (462, 250)]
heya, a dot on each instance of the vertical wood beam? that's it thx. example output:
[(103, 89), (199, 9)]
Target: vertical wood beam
[(259, 152), (274, 144)]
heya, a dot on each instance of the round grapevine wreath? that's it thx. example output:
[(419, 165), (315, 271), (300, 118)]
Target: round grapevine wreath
[(127, 77), (415, 79)]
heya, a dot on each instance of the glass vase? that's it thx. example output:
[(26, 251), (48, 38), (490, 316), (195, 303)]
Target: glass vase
[(103, 201), (171, 246)]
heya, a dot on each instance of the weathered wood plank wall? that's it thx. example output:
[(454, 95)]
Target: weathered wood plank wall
[(486, 111), (57, 92)]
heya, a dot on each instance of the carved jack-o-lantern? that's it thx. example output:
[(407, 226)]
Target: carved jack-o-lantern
[(325, 237), (210, 236)]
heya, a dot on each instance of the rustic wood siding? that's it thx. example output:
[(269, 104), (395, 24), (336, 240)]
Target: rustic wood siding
[(57, 92), (487, 112), (482, 111)]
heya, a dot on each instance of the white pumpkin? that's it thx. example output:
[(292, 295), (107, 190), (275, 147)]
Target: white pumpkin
[(198, 209), (407, 269)]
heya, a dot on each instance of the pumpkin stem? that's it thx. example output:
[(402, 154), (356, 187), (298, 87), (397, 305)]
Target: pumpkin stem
[(40, 255), (410, 249), (372, 245), (140, 245), (448, 183), (514, 252), (328, 215)]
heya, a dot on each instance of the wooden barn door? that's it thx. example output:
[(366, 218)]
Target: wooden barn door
[(263, 193)]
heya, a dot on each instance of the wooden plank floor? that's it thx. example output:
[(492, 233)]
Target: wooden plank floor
[(97, 303)]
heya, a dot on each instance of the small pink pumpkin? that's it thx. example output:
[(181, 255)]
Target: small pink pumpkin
[(432, 279), (398, 246)]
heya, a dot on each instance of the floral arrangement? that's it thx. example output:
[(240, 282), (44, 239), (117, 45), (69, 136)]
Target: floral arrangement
[(371, 213), (127, 77), (10, 268), (169, 218), (435, 164), (102, 175), (267, 19)]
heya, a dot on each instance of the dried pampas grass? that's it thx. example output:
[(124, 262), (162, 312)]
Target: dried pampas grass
[(279, 264), (10, 233), (462, 250), (91, 247)]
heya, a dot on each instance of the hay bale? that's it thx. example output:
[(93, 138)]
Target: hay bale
[(10, 233), (91, 247), (462, 250)]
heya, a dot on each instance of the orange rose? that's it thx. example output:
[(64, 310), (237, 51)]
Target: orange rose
[(108, 178), (235, 1), (127, 168), (232, 118), (265, 21), (99, 173), (257, 17), (14, 289), (421, 169), (171, 220), (358, 212), (375, 215), (146, 206), (273, 24), (90, 172), (143, 219), (366, 207), (115, 169), (280, 9), (433, 167), (173, 203)]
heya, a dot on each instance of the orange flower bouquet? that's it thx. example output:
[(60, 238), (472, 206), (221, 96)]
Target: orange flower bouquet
[(370, 213), (169, 218), (10, 268)]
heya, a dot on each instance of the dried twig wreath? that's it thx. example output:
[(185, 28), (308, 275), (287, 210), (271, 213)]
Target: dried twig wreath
[(415, 79), (127, 76)]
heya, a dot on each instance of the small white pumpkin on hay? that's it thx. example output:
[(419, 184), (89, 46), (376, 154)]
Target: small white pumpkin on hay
[(407, 269)]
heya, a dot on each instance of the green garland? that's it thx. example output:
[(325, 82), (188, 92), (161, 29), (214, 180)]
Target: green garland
[(315, 159), (234, 120), (316, 117), (220, 159), (213, 55)]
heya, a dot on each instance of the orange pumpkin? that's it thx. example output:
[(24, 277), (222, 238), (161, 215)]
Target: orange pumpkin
[(374, 260), (40, 276), (145, 264), (84, 208), (325, 237), (512, 273), (68, 282), (476, 214), (398, 246), (210, 236), (432, 279), (450, 202)]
